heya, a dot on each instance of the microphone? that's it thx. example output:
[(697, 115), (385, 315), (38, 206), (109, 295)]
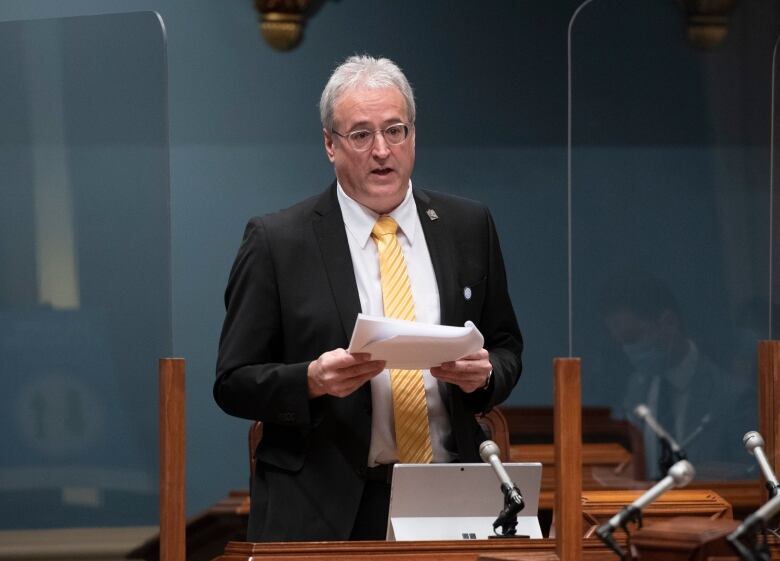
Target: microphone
[(671, 451), (513, 499), (679, 475), (761, 517), (643, 412), (754, 444)]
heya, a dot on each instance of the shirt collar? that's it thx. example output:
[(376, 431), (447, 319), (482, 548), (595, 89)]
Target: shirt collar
[(360, 219)]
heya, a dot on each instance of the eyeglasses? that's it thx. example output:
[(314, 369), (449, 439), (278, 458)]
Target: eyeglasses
[(362, 140)]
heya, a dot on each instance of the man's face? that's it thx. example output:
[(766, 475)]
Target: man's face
[(378, 177), (648, 344), (629, 329)]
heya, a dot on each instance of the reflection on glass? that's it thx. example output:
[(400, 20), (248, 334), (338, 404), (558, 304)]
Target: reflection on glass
[(672, 374), (84, 269)]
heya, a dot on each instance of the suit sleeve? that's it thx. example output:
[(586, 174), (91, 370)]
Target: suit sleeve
[(498, 325), (252, 381)]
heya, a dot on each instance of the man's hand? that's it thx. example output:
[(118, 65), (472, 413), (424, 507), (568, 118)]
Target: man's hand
[(339, 373), (470, 373)]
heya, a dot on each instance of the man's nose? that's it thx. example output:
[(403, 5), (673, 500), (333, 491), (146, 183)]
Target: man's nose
[(380, 149)]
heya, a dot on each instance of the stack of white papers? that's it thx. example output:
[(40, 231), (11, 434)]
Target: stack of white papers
[(411, 345)]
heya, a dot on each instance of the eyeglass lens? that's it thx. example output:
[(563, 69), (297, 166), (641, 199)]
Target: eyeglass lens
[(394, 134)]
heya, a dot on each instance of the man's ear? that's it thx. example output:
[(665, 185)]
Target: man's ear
[(328, 140)]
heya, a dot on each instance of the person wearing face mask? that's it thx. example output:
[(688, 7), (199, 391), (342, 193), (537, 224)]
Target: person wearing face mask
[(689, 395)]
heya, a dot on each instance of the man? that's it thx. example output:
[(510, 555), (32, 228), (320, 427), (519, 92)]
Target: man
[(691, 397), (301, 277)]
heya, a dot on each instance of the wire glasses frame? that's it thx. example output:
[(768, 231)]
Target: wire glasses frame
[(362, 140)]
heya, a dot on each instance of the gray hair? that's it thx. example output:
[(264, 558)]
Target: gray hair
[(367, 72)]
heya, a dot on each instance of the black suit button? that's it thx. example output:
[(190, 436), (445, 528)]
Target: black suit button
[(361, 471)]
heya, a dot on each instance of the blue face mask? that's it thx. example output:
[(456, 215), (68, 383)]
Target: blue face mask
[(646, 357)]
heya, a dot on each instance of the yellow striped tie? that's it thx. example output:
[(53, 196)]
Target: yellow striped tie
[(409, 406)]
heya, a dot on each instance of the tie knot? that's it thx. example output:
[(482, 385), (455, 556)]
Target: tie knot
[(384, 226)]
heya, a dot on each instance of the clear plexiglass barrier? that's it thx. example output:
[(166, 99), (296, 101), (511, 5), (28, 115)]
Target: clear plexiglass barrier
[(671, 229), (85, 297)]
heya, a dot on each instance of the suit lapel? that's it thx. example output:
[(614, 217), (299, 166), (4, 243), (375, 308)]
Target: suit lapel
[(332, 238), (436, 228)]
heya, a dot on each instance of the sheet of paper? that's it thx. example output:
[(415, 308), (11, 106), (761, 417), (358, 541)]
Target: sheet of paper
[(412, 345)]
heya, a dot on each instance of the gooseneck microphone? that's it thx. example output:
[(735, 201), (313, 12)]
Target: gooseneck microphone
[(761, 518), (513, 499), (671, 451), (643, 412), (679, 475), (754, 444)]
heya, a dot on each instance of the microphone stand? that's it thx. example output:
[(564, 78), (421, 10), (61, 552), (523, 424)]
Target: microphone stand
[(668, 456), (751, 552), (605, 532), (507, 518)]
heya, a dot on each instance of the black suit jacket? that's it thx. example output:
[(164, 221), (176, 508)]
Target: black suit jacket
[(291, 296)]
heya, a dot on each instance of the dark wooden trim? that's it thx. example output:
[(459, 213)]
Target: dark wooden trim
[(568, 458), (172, 459)]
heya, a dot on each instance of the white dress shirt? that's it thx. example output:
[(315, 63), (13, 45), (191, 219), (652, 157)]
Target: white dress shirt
[(359, 221)]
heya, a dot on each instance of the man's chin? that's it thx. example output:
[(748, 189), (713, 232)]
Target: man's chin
[(384, 199)]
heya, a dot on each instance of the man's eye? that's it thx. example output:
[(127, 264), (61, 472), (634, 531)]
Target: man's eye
[(396, 131), (359, 135)]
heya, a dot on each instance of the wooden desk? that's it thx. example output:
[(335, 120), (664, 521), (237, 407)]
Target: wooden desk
[(600, 506)]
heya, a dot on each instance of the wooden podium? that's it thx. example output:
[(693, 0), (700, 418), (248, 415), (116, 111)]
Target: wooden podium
[(568, 546)]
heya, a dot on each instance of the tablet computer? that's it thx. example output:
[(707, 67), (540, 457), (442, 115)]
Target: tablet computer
[(458, 501)]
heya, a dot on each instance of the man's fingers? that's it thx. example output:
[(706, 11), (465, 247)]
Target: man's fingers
[(464, 366), (340, 373), (469, 363), (469, 372), (479, 355), (364, 368), (347, 386)]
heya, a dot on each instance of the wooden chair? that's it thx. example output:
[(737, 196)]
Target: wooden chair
[(255, 436), (496, 429), (493, 423)]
